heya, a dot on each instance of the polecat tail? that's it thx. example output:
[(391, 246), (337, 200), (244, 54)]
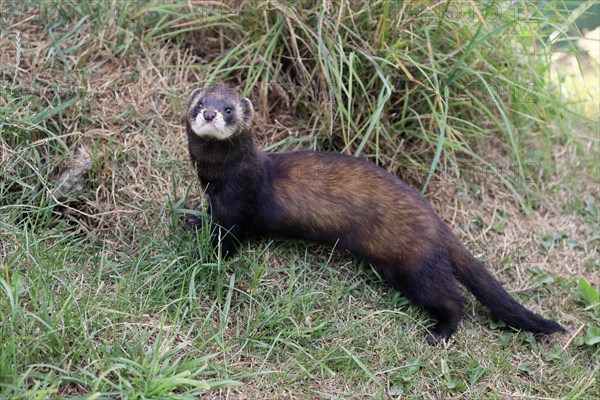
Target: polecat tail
[(475, 276)]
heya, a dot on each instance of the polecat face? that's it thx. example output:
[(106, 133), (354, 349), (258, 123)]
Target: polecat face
[(218, 112)]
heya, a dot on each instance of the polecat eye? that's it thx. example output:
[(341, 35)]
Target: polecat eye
[(228, 110), (200, 105)]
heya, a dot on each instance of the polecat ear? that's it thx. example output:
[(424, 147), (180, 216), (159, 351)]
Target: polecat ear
[(247, 110), (193, 97)]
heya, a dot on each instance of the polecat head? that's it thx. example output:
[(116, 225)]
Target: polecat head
[(218, 112)]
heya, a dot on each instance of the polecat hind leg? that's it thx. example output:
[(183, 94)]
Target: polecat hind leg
[(435, 289), (448, 313)]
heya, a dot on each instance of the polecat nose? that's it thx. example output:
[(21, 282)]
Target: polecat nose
[(209, 115)]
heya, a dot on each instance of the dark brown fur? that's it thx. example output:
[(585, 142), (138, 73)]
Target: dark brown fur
[(340, 200)]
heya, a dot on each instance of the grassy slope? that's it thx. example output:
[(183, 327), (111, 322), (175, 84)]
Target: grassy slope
[(102, 292)]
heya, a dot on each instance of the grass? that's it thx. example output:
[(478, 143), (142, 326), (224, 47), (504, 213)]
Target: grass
[(103, 292)]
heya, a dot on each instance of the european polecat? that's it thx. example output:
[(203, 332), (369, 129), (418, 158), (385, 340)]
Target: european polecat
[(338, 200)]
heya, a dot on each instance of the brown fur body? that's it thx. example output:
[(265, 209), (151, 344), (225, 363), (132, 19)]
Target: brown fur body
[(340, 200)]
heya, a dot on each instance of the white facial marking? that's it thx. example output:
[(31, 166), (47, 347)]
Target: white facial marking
[(217, 128), (238, 113)]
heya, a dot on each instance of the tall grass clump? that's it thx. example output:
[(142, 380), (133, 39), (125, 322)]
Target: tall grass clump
[(410, 82)]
